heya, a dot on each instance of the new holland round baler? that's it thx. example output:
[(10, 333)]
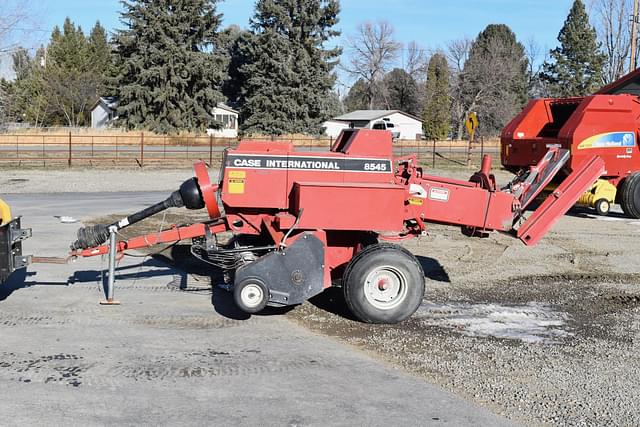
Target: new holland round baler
[(605, 124)]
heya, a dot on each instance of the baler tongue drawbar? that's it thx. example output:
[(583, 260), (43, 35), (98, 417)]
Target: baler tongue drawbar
[(189, 195)]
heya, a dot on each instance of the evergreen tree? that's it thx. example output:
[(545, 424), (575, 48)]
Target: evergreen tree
[(357, 98), (170, 68), (27, 97), (576, 66), (235, 44), (289, 73), (100, 54), (401, 92), (437, 108), (494, 79), (71, 80)]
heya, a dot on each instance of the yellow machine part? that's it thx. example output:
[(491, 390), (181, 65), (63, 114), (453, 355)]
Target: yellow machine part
[(602, 189), (5, 213)]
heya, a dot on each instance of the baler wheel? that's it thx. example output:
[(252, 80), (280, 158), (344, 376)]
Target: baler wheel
[(630, 195), (251, 295), (384, 283), (603, 207)]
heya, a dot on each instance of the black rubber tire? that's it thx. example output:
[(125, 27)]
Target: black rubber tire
[(630, 195), (244, 306), (365, 263), (603, 207)]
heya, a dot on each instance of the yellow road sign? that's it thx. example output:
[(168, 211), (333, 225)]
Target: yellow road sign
[(472, 124)]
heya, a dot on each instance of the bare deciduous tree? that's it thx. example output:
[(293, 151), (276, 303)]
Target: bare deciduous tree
[(373, 51), (458, 53), (417, 62), (536, 57), (14, 14), (611, 19)]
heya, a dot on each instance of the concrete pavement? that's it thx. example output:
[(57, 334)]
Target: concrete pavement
[(170, 357)]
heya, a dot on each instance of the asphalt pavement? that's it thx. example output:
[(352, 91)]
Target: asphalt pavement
[(174, 353)]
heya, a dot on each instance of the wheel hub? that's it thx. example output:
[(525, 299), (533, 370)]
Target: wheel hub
[(252, 295), (385, 287)]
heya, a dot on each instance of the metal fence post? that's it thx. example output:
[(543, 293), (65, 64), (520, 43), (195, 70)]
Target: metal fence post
[(44, 154), (69, 160), (210, 150), (433, 155), (142, 150)]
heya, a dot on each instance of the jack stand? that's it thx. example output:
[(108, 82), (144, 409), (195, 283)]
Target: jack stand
[(111, 280)]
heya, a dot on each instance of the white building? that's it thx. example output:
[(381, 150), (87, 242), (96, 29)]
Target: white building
[(229, 119), (404, 125), (104, 112)]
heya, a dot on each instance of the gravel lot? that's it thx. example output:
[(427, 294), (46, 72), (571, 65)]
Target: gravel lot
[(542, 335)]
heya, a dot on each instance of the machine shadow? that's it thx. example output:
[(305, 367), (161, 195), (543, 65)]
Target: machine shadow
[(433, 270), (18, 280), (582, 212), (332, 299)]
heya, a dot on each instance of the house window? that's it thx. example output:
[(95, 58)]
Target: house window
[(228, 121)]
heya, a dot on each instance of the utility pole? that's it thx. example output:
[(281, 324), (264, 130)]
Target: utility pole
[(634, 36)]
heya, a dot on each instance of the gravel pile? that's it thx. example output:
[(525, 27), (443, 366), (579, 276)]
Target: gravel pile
[(581, 368)]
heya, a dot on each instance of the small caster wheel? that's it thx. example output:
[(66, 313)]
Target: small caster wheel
[(251, 295), (603, 207)]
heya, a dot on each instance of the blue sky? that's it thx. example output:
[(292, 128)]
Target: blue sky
[(431, 23)]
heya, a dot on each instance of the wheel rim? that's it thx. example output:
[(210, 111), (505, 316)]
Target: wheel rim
[(251, 295), (385, 287), (604, 206)]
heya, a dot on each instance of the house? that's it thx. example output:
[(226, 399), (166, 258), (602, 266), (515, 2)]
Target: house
[(229, 119), (104, 112), (403, 125)]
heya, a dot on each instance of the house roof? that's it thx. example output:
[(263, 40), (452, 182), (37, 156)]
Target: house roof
[(370, 115), (110, 102), (225, 107)]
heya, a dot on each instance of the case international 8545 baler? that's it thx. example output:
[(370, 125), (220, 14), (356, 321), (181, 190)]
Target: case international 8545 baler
[(605, 124), (302, 222)]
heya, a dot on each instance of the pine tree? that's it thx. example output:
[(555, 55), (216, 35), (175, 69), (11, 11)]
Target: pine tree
[(100, 54), (289, 73), (401, 92), (437, 108), (234, 43), (576, 66), (71, 81), (170, 69), (357, 98)]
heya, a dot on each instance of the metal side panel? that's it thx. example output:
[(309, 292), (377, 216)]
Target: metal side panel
[(560, 201), (292, 275), (11, 258)]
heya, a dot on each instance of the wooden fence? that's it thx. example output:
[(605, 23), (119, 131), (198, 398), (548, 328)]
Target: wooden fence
[(142, 150)]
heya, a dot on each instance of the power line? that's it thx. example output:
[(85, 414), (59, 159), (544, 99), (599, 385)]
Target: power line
[(39, 30)]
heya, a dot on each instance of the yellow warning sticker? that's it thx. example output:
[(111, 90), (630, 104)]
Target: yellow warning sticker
[(236, 182), (416, 201), (236, 186)]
